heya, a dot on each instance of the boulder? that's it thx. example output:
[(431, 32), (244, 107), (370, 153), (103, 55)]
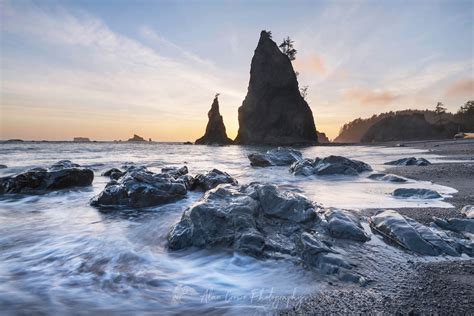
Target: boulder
[(468, 211), (387, 177), (113, 173), (259, 220), (211, 179), (331, 165), (62, 175), (273, 111), (412, 235), (416, 193), (411, 161), (139, 187), (215, 129), (3, 166), (275, 157), (342, 224), (460, 225)]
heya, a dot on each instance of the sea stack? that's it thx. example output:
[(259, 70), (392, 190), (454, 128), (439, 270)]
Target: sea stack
[(215, 129), (274, 112)]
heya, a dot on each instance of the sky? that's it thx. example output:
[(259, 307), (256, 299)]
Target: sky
[(112, 68)]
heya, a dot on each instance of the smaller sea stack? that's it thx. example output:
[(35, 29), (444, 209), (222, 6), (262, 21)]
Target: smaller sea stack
[(215, 130)]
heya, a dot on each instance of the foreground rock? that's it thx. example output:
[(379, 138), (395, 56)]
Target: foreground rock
[(387, 177), (342, 224), (261, 221), (274, 112), (412, 161), (460, 225), (62, 175), (275, 157), (212, 179), (468, 211), (416, 237), (331, 165), (215, 129), (113, 173), (416, 193), (139, 187)]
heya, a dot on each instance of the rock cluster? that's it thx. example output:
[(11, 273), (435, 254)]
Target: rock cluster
[(139, 187), (331, 165), (411, 161), (61, 175), (265, 222), (274, 112), (215, 129), (136, 138), (275, 157)]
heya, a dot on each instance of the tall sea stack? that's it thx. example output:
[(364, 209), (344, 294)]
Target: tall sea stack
[(274, 112), (215, 129)]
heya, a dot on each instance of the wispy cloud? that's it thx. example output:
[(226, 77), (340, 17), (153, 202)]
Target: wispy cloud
[(464, 88), (312, 63), (103, 72), (370, 97)]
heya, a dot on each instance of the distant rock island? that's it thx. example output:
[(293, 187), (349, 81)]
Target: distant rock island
[(81, 139), (215, 129), (274, 112), (136, 138)]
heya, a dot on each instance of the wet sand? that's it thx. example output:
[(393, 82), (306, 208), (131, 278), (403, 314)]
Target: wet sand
[(443, 287)]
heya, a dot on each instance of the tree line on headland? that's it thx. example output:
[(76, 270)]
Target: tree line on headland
[(409, 125)]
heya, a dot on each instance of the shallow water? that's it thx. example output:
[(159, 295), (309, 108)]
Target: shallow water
[(60, 255)]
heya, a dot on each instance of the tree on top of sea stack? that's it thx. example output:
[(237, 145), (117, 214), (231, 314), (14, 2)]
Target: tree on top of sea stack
[(215, 130), (274, 112)]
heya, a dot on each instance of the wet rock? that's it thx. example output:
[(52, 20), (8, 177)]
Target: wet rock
[(215, 129), (175, 171), (411, 161), (331, 165), (468, 211), (113, 173), (141, 188), (387, 177), (258, 220), (274, 112), (416, 193), (62, 175), (212, 179), (275, 157), (3, 166), (412, 235), (342, 224), (461, 225)]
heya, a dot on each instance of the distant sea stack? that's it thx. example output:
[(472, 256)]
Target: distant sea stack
[(322, 138), (136, 138), (274, 112), (215, 129)]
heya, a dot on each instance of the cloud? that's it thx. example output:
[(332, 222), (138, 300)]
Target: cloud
[(83, 67), (370, 97), (463, 87), (312, 63)]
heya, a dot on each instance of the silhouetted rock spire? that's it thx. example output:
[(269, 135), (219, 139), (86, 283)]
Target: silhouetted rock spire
[(273, 111), (215, 130)]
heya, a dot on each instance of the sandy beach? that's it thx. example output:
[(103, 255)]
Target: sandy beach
[(439, 287)]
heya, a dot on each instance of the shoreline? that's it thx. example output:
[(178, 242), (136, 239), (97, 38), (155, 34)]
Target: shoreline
[(437, 287)]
